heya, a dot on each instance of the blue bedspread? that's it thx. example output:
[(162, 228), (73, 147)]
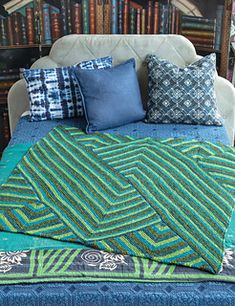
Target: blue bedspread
[(114, 293), (31, 132)]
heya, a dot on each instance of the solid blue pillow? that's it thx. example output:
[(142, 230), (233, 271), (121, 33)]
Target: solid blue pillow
[(110, 97)]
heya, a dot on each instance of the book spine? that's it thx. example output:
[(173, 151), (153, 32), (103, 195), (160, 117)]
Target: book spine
[(197, 20), (205, 34), (92, 16), (6, 85), (173, 20), (85, 16), (197, 26), (13, 77), (99, 17), (138, 21), (114, 17), (10, 30), (17, 28), (107, 16), (120, 16), (132, 21), (23, 30), (164, 12), (156, 18), (201, 40), (69, 16), (38, 21), (3, 32), (177, 21), (30, 25), (77, 18), (55, 26), (143, 21), (64, 18), (126, 17), (149, 17), (218, 28), (204, 45), (46, 24)]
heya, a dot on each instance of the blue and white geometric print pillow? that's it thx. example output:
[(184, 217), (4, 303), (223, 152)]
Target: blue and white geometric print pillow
[(54, 93), (182, 95)]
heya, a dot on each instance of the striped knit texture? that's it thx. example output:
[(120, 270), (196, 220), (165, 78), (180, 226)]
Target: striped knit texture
[(161, 199)]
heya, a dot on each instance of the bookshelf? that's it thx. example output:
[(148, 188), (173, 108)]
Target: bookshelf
[(29, 28)]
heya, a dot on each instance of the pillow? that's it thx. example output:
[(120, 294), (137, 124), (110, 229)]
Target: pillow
[(54, 92), (182, 95), (111, 97)]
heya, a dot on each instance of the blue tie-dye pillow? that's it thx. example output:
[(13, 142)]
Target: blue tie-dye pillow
[(54, 92)]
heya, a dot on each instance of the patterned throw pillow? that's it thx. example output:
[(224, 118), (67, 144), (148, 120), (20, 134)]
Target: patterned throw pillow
[(182, 95), (54, 92)]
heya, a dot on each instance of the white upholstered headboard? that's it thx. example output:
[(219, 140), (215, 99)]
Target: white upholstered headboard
[(72, 49)]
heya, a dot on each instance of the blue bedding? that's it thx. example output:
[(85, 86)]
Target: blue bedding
[(114, 293), (31, 132)]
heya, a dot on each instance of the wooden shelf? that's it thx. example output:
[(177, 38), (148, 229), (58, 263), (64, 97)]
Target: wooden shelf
[(24, 46)]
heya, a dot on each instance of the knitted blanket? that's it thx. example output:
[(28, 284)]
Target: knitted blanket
[(166, 200)]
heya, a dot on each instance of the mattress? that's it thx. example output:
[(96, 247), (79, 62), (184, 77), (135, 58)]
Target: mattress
[(115, 293)]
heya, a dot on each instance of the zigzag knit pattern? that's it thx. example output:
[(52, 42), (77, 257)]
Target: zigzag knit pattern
[(168, 200)]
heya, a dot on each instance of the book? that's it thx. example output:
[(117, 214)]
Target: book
[(198, 20), (120, 16), (177, 21), (10, 33), (198, 26), (156, 18), (47, 23), (3, 32), (196, 33), (55, 26), (64, 18), (126, 17), (77, 18), (204, 45), (30, 29), (10, 4), (114, 27), (163, 19), (13, 6), (143, 21), (107, 16), (149, 17), (85, 16), (17, 28), (132, 20), (23, 30), (69, 16), (219, 25), (201, 40), (138, 21), (92, 16), (6, 84), (99, 17)]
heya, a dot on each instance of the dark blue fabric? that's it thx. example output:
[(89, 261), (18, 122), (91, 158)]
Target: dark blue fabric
[(31, 132), (119, 294), (111, 97)]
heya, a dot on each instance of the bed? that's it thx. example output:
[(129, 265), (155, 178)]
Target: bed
[(44, 271)]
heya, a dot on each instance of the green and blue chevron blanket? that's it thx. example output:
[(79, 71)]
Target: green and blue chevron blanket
[(167, 200)]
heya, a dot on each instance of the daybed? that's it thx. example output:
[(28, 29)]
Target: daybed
[(43, 273)]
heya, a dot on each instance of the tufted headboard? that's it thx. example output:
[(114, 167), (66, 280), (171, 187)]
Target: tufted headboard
[(72, 49)]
